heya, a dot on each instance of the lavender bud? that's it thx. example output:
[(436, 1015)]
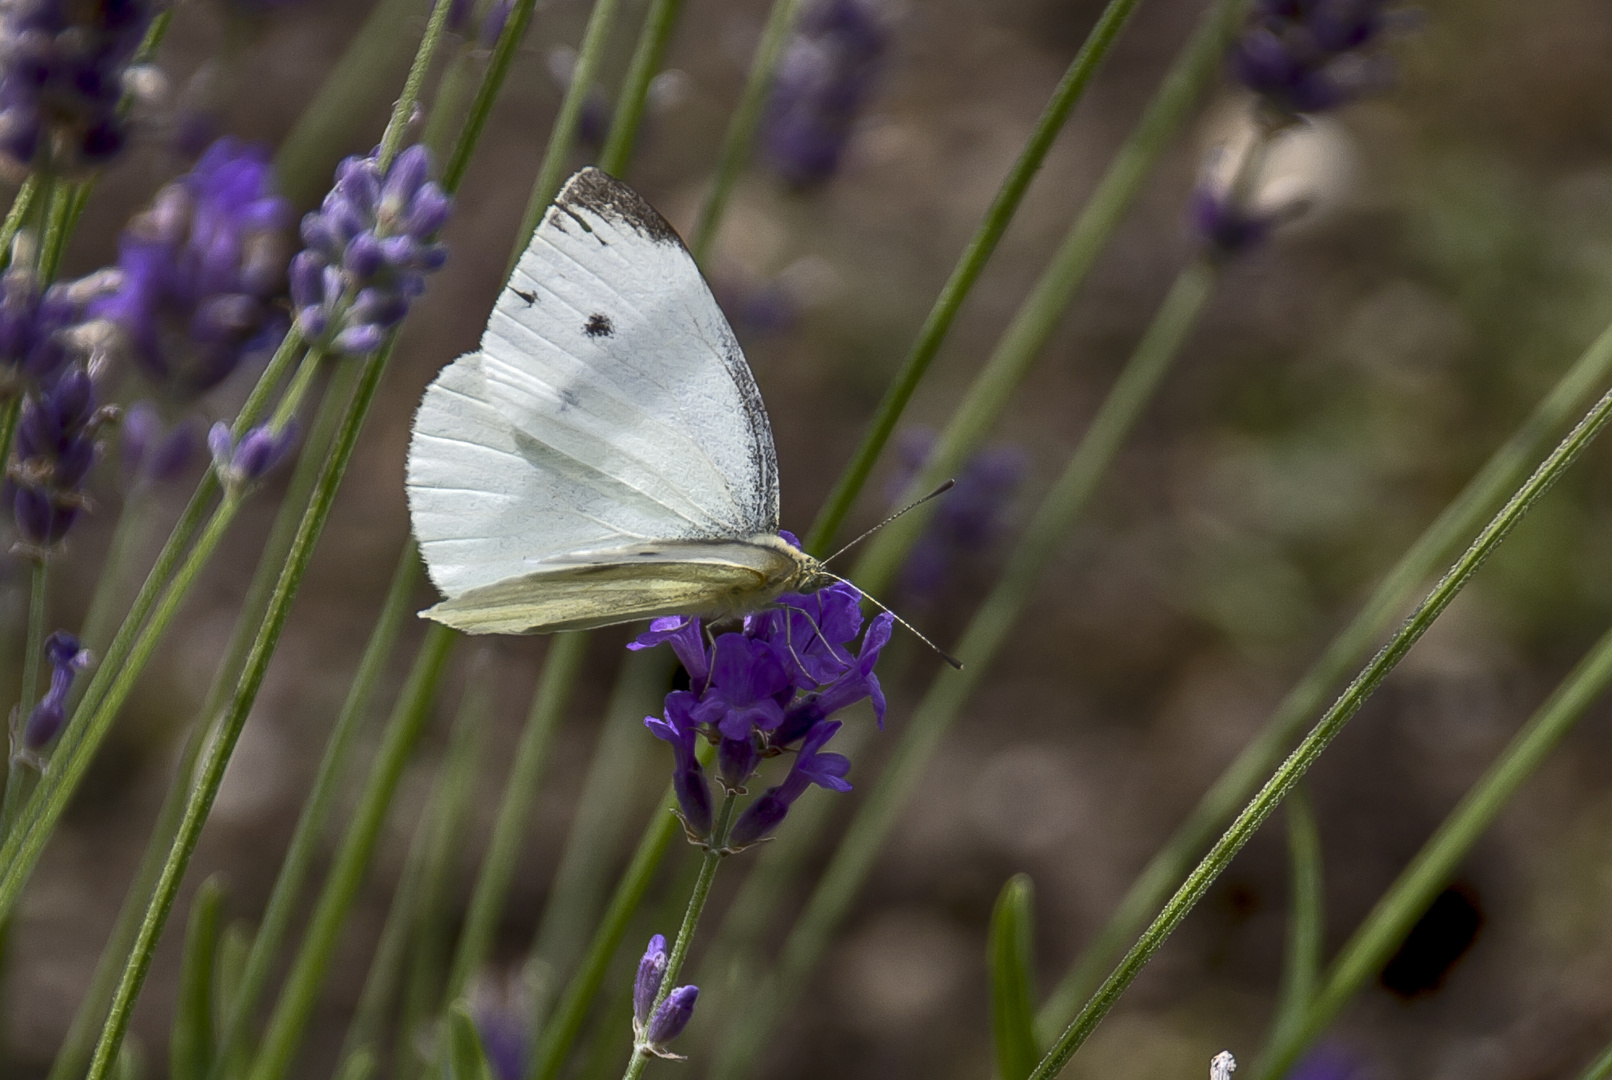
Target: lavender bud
[(651, 970), (66, 659), (360, 340), (671, 1018)]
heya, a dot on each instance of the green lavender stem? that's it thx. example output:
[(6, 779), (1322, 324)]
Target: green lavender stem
[(1502, 472), (1302, 964), (714, 854), (308, 968), (560, 670), (20, 205), (1291, 770), (590, 57), (1015, 353), (741, 134), (403, 110), (967, 271), (18, 770), (1601, 1067), (1397, 910), (301, 852), (481, 107), (647, 56), (986, 632)]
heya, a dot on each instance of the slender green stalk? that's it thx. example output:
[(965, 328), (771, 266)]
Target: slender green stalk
[(647, 57), (1306, 923), (386, 966), (403, 111), (1291, 770), (190, 1046), (448, 103), (560, 670), (304, 847), (306, 977), (18, 770), (1601, 1067), (20, 204), (715, 852), (967, 271), (423, 997), (487, 93), (986, 633), (10, 411), (1397, 910), (599, 829), (741, 134), (1502, 472), (54, 237), (559, 1032), (1039, 315), (301, 382), (590, 56), (111, 1038), (365, 71)]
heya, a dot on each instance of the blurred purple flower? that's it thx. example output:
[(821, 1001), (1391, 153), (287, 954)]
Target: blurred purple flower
[(763, 691), (1307, 56), (66, 660), (1224, 222), (200, 272), (368, 250), (155, 452), (827, 73), (62, 69), (966, 521), (36, 326), (57, 442)]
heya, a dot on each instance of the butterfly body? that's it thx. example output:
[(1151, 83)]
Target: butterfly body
[(604, 456)]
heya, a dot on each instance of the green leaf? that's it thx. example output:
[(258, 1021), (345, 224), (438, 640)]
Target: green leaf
[(190, 1048), (1012, 981), (466, 1061)]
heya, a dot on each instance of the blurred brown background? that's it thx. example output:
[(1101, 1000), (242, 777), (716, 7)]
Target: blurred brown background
[(1345, 381)]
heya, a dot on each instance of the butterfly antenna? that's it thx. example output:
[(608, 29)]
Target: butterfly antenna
[(941, 490), (956, 664)]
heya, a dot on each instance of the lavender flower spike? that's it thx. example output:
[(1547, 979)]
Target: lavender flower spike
[(670, 1020), (651, 971), (66, 660), (826, 75), (368, 250), (58, 439)]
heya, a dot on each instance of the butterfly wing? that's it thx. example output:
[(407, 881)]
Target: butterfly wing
[(607, 587), (608, 406)]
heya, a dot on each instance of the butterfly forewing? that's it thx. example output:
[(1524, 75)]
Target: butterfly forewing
[(608, 406)]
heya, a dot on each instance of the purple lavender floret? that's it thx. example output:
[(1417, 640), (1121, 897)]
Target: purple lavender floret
[(57, 442), (250, 459), (670, 1019), (62, 66), (66, 660), (651, 972), (828, 72), (368, 250), (765, 690), (1307, 56), (201, 270)]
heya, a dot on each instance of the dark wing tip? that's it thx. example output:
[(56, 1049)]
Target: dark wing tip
[(597, 192)]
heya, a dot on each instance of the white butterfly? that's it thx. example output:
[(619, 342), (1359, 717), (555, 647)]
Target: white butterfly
[(605, 455)]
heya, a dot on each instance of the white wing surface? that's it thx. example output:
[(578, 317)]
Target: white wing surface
[(608, 406)]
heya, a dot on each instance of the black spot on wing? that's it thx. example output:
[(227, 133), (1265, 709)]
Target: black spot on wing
[(598, 325), (600, 193), (527, 295)]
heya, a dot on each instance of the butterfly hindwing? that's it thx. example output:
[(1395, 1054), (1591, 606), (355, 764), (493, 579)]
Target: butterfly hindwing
[(608, 405)]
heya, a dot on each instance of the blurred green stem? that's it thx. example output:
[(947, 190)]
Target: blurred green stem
[(967, 271), (987, 631), (1459, 519), (20, 204), (740, 137), (304, 846), (342, 105), (403, 110), (1397, 910), (1306, 911), (1601, 1067), (1293, 769), (647, 56), (492, 80), (1033, 324), (560, 669), (590, 57), (303, 982), (18, 769)]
